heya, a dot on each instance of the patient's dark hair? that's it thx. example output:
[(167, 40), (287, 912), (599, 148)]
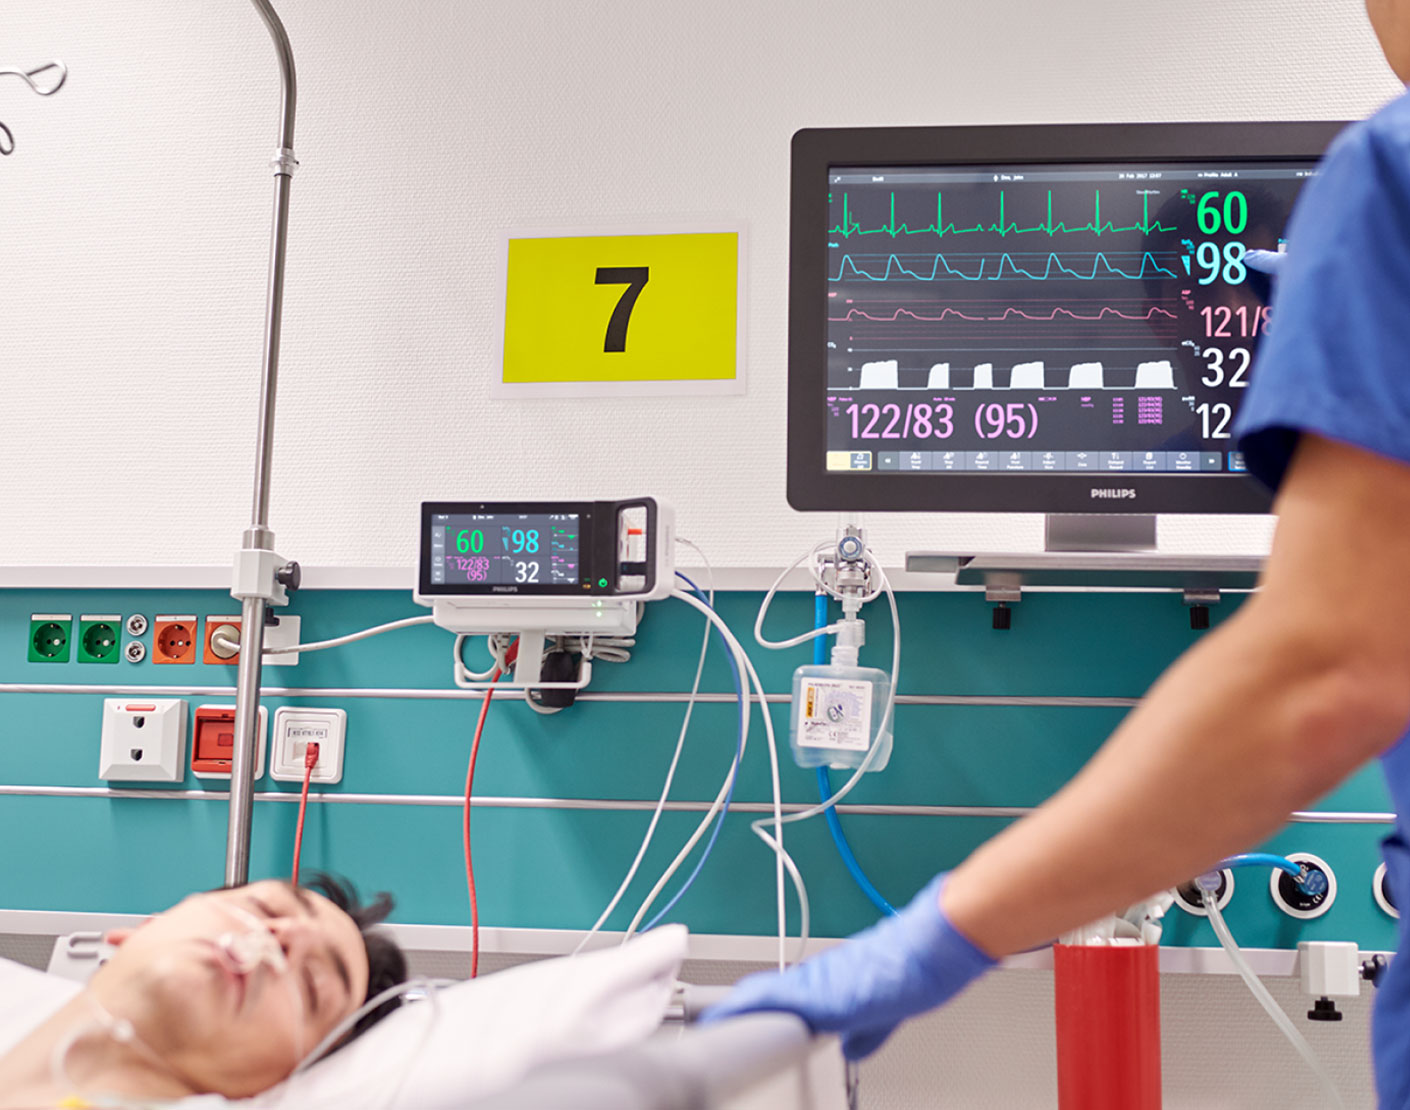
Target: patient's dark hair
[(386, 963)]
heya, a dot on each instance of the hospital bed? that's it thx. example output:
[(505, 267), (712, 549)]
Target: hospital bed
[(754, 1062)]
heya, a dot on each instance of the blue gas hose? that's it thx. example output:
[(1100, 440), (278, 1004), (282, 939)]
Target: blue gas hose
[(834, 823)]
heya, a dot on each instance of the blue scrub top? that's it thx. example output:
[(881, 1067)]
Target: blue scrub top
[(1336, 362)]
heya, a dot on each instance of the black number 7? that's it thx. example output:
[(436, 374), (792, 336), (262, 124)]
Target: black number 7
[(634, 278)]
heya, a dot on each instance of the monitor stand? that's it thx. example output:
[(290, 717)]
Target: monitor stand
[(1099, 532), (1094, 552)]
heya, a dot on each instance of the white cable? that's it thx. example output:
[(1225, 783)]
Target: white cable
[(608, 649), (745, 702), (496, 656), (542, 710), (778, 645), (1266, 1000), (782, 861), (776, 841), (666, 787), (391, 626)]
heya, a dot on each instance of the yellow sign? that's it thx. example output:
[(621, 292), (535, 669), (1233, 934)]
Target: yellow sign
[(614, 313)]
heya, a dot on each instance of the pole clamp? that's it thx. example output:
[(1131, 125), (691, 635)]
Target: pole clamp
[(261, 573), (284, 163)]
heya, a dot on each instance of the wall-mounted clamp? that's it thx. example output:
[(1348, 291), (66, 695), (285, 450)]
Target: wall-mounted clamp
[(1001, 594), (1198, 601)]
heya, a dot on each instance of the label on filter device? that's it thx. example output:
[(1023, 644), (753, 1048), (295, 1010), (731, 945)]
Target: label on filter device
[(836, 713)]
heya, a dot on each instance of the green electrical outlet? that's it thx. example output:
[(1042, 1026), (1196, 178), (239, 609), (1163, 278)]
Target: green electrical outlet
[(49, 637), (98, 639)]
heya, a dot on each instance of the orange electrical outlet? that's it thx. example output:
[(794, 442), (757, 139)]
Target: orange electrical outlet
[(174, 639), (216, 654)]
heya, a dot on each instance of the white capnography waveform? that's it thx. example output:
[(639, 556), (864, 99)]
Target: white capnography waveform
[(886, 374)]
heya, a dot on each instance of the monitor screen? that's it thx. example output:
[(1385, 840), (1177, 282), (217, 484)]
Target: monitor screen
[(1071, 323), (497, 549)]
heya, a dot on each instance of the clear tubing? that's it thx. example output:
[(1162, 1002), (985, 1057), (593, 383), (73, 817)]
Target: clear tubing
[(242, 951), (276, 1095), (120, 1030), (1266, 1000), (256, 944)]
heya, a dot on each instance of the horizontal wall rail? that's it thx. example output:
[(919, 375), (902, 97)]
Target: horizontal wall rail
[(1309, 817), (665, 697)]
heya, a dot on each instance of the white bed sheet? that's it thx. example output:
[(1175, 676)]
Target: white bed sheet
[(481, 1038)]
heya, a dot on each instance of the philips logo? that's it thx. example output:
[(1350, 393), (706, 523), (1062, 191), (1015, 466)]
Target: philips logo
[(1114, 494)]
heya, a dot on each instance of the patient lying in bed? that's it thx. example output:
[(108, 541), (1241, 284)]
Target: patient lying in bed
[(223, 993)]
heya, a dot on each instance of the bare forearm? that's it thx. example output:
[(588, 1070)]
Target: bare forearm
[(1252, 724)]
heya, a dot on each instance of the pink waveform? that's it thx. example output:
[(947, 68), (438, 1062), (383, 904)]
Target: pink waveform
[(857, 313)]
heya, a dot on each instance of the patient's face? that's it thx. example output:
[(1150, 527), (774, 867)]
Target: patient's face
[(227, 1030)]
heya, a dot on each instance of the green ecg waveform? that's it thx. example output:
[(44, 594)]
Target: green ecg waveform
[(850, 227)]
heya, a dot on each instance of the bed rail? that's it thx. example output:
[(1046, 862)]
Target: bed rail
[(702, 1068)]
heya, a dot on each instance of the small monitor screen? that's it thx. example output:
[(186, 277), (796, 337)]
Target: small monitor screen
[(490, 549), (1045, 318)]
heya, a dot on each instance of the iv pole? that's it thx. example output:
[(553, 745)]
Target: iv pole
[(261, 577)]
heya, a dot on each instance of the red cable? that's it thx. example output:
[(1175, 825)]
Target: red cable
[(509, 657), (310, 758)]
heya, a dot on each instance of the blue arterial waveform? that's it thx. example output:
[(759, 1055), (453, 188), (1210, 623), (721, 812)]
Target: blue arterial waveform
[(897, 270)]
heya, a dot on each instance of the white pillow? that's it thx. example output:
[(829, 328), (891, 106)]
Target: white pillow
[(27, 998), (490, 1033), (479, 1038)]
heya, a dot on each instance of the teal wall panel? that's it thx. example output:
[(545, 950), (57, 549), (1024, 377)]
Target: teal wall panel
[(557, 868)]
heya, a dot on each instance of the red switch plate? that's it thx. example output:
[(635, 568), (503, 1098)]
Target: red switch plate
[(213, 741)]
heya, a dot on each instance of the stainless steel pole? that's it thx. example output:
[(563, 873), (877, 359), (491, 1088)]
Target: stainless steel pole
[(258, 537)]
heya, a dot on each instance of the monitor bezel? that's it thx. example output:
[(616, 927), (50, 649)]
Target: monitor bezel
[(811, 487)]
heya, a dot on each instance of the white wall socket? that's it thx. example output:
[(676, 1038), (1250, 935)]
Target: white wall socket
[(294, 729), (144, 740)]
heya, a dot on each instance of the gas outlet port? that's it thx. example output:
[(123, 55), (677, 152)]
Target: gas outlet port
[(98, 639), (1299, 903), (174, 639), (49, 637), (1385, 897), (1189, 898)]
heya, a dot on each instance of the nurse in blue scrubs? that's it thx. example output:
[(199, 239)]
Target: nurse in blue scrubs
[(1305, 684)]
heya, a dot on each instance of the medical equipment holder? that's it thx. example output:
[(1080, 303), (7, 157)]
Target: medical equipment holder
[(261, 577)]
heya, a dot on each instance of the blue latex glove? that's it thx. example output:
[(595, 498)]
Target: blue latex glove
[(901, 966), (1266, 262)]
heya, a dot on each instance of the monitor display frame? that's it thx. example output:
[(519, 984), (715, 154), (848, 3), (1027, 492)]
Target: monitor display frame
[(817, 151)]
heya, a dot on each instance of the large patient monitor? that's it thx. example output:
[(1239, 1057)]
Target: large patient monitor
[(1032, 319)]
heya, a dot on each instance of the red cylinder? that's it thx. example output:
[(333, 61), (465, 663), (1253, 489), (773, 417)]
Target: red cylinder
[(1108, 1026)]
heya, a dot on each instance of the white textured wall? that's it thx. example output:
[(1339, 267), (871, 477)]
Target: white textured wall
[(134, 229)]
